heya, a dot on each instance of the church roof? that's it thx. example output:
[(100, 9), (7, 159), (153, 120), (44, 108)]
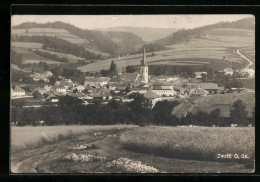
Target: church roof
[(130, 77)]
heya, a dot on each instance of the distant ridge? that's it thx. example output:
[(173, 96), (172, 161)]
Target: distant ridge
[(148, 34)]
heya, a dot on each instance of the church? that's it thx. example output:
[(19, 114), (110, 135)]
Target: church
[(144, 69)]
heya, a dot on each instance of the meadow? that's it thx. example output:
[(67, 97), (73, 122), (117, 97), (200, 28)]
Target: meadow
[(29, 136), (130, 149), (197, 143), (211, 47)]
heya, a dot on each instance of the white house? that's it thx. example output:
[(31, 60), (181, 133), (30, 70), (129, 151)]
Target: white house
[(17, 91), (163, 90)]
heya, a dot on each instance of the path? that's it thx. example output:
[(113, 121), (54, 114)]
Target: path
[(49, 158)]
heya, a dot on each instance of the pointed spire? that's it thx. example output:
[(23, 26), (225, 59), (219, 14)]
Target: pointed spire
[(144, 58)]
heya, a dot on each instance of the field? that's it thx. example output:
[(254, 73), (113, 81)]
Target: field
[(211, 47), (130, 149), (224, 102)]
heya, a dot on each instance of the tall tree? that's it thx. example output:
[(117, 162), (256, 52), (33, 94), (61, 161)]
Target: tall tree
[(238, 113), (113, 68)]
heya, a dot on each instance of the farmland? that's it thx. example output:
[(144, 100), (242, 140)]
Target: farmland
[(221, 101), (210, 47), (129, 148)]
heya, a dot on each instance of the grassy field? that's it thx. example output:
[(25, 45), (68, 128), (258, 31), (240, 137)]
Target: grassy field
[(211, 47), (199, 143), (224, 102), (130, 149), (31, 45), (29, 136)]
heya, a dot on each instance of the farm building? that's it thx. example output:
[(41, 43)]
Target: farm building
[(17, 91), (228, 71), (60, 89), (210, 87), (198, 92)]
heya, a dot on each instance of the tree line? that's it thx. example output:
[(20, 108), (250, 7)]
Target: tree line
[(58, 45), (71, 111), (102, 40), (187, 34), (51, 56)]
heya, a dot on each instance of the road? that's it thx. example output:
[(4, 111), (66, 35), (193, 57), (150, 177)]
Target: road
[(50, 158), (251, 62)]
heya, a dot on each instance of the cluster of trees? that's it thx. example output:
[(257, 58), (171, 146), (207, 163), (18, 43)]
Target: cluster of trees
[(44, 65), (111, 72), (139, 111), (187, 34), (227, 81), (58, 45), (66, 72), (16, 58), (51, 56), (21, 77), (130, 69)]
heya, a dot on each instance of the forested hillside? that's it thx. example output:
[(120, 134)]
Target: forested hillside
[(186, 34), (110, 42)]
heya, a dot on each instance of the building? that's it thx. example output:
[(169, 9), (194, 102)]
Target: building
[(17, 91), (144, 69), (163, 90), (198, 92), (198, 75), (228, 71), (60, 89), (97, 82), (212, 88)]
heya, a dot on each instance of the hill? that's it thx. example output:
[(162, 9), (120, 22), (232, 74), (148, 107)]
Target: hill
[(187, 34), (146, 33), (112, 43)]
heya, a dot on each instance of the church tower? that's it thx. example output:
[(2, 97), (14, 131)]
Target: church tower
[(144, 69)]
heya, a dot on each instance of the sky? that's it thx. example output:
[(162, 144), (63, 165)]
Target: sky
[(108, 21)]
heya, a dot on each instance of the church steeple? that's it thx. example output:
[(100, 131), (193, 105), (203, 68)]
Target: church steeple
[(144, 69), (143, 63)]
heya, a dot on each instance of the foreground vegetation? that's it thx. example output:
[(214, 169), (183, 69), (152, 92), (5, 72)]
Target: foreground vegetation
[(197, 143)]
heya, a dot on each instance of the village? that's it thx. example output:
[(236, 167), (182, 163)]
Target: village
[(120, 87)]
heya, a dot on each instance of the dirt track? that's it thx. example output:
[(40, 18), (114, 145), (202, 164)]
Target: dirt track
[(49, 158)]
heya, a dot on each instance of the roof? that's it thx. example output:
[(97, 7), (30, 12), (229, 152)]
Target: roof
[(17, 89), (99, 79), (162, 87), (198, 92), (182, 109), (151, 95), (209, 86), (130, 77), (199, 73)]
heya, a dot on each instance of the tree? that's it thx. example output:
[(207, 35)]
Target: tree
[(37, 95), (204, 77), (130, 69), (162, 112), (113, 68), (69, 101), (238, 113)]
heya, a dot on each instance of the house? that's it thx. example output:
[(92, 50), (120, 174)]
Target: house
[(198, 92), (80, 88), (60, 89), (130, 77), (100, 81), (163, 90), (228, 71), (152, 96), (198, 75), (17, 91), (212, 88), (42, 76), (41, 90)]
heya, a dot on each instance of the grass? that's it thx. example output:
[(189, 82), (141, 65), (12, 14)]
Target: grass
[(26, 45), (29, 136), (212, 47), (197, 143)]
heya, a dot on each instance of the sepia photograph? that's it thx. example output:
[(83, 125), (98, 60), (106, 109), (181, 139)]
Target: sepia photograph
[(132, 94)]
